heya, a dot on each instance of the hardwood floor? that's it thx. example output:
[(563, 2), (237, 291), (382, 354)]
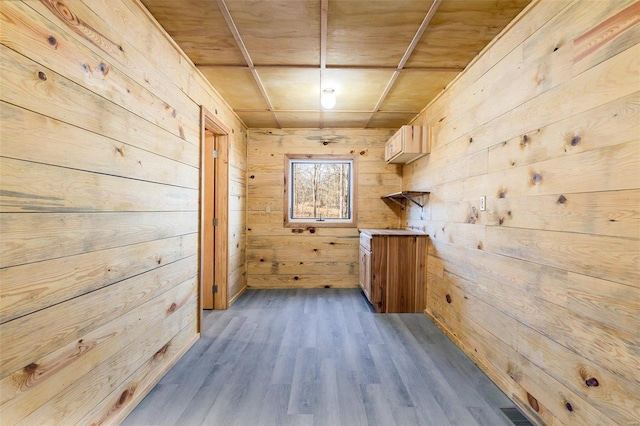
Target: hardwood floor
[(320, 357)]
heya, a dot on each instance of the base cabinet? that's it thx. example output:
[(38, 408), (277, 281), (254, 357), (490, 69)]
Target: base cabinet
[(393, 269)]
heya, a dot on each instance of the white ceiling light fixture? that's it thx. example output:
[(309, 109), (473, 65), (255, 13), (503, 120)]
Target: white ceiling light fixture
[(328, 98)]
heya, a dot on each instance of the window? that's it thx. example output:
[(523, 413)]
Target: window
[(320, 191)]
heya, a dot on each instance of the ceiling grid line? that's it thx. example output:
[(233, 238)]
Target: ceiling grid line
[(337, 67), (324, 23), (245, 53), (414, 42)]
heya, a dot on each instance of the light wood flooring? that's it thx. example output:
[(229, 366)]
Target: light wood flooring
[(320, 357)]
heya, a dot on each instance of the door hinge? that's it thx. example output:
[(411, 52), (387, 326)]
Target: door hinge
[(214, 289), (215, 221), (216, 154)]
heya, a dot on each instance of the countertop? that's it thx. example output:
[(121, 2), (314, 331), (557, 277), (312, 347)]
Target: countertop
[(371, 232)]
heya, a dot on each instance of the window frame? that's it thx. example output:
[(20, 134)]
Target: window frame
[(290, 222)]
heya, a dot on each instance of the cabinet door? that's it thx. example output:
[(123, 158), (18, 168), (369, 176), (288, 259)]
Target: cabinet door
[(365, 272), (394, 146)]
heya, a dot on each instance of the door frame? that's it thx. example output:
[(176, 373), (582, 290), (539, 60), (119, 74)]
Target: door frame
[(212, 124)]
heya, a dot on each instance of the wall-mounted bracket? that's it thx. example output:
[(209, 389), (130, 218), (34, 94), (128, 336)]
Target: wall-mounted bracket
[(400, 197)]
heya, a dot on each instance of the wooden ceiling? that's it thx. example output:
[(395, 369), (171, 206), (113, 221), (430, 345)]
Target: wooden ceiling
[(385, 59)]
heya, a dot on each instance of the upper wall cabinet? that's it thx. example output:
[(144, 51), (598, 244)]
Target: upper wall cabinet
[(408, 144)]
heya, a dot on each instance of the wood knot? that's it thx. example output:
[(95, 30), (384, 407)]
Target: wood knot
[(124, 396), (297, 231), (216, 110), (331, 243), (536, 178), (448, 297), (555, 49), (315, 250), (363, 152), (172, 308), (327, 286), (575, 140), (470, 140), (296, 278), (509, 213), (502, 194), (568, 406), (261, 260), (120, 151), (31, 368), (562, 199), (252, 177), (325, 143), (525, 140), (312, 230), (42, 76), (161, 351), (474, 215), (533, 402), (501, 221), (103, 68), (159, 260), (480, 245), (120, 48), (52, 40), (592, 382)]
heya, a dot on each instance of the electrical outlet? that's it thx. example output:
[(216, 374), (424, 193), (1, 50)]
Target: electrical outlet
[(483, 203)]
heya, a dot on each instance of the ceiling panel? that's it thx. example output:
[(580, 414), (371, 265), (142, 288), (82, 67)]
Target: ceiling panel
[(292, 88), (199, 29), (389, 120), (372, 32), (237, 86), (258, 119), (356, 90), (345, 119), (281, 32), (413, 90), (460, 29), (365, 41), (299, 119)]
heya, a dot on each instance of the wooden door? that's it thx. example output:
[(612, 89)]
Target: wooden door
[(208, 229), (214, 207)]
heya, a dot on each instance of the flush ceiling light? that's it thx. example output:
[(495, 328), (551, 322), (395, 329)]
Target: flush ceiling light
[(328, 98)]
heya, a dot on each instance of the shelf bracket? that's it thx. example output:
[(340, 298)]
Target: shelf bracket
[(408, 197), (397, 202)]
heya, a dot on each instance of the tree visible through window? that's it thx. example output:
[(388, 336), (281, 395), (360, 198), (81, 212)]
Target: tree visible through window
[(320, 190)]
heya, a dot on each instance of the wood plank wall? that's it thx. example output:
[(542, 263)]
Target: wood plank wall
[(279, 257), (544, 284), (99, 206)]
